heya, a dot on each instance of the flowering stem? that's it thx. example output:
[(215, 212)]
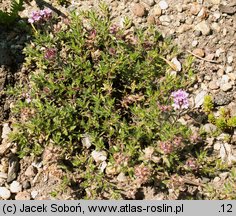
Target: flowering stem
[(35, 30)]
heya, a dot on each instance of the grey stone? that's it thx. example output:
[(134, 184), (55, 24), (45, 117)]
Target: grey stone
[(210, 128), (26, 185), (13, 169), (222, 98)]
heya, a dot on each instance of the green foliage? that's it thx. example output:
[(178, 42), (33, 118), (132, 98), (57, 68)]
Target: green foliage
[(7, 18), (208, 104), (104, 91)]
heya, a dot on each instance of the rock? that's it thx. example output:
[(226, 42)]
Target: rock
[(227, 9), (194, 43), (232, 108), (121, 177), (215, 2), (224, 79), (5, 193), (226, 87), (183, 28), (4, 147), (203, 27), (199, 99), (230, 59), (157, 10), (5, 131), (99, 156), (217, 15), (13, 169), (3, 175), (210, 128), (151, 20), (34, 194), (213, 85), (30, 171), (229, 69), (195, 8), (149, 2), (217, 146), (15, 187), (165, 19), (163, 5), (26, 185), (22, 196), (177, 64), (224, 175), (216, 179), (215, 26), (86, 141), (5, 56), (222, 98), (139, 10), (199, 52)]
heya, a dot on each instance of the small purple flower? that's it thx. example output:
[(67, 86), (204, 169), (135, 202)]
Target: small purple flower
[(34, 17), (180, 99), (37, 16), (50, 53), (46, 14)]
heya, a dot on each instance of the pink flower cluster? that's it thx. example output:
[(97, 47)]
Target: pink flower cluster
[(180, 99), (41, 15)]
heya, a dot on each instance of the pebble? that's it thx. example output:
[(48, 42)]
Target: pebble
[(210, 128), (195, 8), (157, 10), (5, 131), (15, 187), (163, 5), (194, 43), (203, 27), (138, 10), (217, 15), (222, 98), (121, 177), (3, 175), (217, 146), (151, 20), (226, 87), (230, 59), (149, 2), (229, 69), (30, 171), (13, 169), (215, 2), (34, 194), (199, 99), (5, 193), (215, 26), (26, 185), (213, 85), (23, 196), (199, 52), (165, 19), (232, 108)]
